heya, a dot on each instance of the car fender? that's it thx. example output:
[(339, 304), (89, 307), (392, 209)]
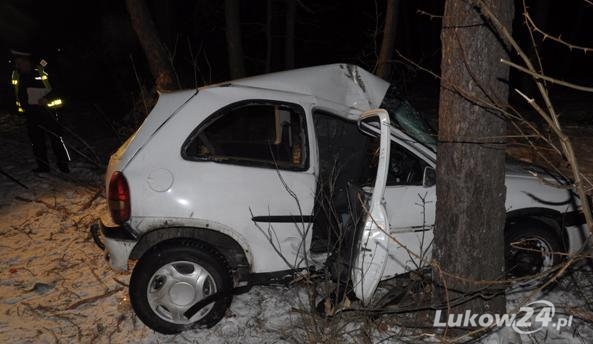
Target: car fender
[(154, 230)]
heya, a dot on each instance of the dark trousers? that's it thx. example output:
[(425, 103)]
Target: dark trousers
[(42, 124)]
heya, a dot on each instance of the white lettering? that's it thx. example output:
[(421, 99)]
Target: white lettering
[(520, 323), (455, 323), (470, 320), (437, 319), (505, 319), (486, 320)]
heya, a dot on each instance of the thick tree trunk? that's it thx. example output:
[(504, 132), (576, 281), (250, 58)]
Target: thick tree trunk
[(156, 53), (388, 41), (165, 23), (470, 217), (234, 41), (289, 41)]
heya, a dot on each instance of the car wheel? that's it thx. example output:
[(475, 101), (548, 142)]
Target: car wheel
[(170, 278), (531, 247)]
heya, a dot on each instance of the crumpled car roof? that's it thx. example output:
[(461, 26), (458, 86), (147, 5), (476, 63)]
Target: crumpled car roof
[(345, 84)]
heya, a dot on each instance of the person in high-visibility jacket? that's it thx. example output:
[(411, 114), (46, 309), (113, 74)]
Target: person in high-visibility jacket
[(37, 100)]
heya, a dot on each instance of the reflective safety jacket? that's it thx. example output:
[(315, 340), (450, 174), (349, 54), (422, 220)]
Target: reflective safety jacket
[(53, 102)]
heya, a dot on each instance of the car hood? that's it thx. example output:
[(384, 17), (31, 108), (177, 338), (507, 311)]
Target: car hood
[(519, 169)]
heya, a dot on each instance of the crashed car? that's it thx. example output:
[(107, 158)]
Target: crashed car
[(241, 183)]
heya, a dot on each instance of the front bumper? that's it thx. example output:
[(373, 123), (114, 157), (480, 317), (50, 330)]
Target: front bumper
[(116, 242)]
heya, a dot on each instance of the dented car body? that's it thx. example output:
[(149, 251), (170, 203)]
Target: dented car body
[(232, 184)]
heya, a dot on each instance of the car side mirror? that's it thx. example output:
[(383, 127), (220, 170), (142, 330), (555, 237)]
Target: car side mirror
[(429, 177)]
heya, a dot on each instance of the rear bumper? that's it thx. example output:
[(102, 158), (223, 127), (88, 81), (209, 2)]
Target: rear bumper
[(116, 242)]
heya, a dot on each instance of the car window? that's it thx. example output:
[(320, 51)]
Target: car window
[(411, 122), (405, 168), (259, 134), (342, 150)]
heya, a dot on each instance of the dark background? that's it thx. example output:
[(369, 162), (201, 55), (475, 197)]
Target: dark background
[(93, 50)]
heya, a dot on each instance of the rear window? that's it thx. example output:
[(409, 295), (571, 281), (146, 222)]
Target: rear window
[(258, 134)]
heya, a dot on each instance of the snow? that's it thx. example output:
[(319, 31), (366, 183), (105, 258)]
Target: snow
[(56, 287)]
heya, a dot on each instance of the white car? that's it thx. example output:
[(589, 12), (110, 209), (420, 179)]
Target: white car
[(240, 183)]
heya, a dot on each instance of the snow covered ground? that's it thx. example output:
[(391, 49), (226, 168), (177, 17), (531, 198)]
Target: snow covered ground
[(55, 286)]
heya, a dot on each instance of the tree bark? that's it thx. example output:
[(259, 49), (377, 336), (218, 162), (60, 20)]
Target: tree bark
[(289, 41), (164, 22), (156, 53), (234, 41), (388, 40), (470, 215)]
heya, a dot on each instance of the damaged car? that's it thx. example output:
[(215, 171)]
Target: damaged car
[(241, 183)]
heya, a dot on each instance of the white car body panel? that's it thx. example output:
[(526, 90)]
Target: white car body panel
[(373, 250), (411, 230), (200, 189), (412, 210), (169, 191), (335, 83)]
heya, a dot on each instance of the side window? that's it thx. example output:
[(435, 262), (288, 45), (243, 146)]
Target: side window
[(342, 150), (405, 168), (258, 134)]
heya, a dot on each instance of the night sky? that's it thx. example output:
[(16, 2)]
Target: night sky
[(93, 49)]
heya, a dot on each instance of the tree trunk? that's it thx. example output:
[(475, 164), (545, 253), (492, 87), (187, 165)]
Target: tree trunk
[(289, 41), (388, 41), (234, 42), (470, 215), (160, 66), (164, 21)]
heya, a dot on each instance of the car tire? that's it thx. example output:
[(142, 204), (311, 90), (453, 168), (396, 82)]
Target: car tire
[(531, 247), (170, 278)]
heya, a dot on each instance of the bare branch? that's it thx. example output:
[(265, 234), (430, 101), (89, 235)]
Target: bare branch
[(430, 16), (558, 39), (547, 78)]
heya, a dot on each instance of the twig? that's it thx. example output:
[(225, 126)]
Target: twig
[(88, 203), (120, 282), (53, 334), (558, 39), (547, 78), (430, 16), (93, 299)]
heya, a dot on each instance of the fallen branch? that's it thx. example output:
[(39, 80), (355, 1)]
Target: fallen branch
[(88, 203), (120, 282), (93, 299)]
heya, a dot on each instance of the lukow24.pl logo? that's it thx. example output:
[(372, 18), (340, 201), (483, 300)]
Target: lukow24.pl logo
[(531, 318)]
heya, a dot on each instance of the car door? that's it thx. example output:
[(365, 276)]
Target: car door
[(249, 169), (410, 197), (373, 248)]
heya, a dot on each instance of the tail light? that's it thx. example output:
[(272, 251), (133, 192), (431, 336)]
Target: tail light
[(119, 198)]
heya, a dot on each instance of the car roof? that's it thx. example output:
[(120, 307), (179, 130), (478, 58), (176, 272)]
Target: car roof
[(345, 84)]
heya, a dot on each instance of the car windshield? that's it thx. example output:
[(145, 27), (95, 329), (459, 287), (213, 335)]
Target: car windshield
[(411, 122)]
